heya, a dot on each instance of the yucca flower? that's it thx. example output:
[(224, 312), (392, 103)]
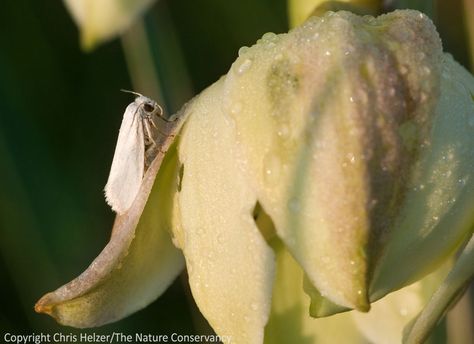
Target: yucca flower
[(335, 162), (99, 21)]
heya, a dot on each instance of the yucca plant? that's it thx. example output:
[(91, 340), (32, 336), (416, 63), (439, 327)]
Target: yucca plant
[(321, 191)]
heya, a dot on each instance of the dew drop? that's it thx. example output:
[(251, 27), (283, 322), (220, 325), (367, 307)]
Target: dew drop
[(243, 66), (272, 168), (269, 36), (351, 157), (236, 108), (220, 238), (326, 259), (423, 97), (243, 50), (283, 131), (327, 53), (471, 121), (254, 306), (278, 57)]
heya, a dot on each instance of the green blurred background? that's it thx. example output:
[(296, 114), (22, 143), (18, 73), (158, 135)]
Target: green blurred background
[(60, 111)]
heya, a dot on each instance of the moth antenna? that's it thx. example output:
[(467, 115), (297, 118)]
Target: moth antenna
[(132, 92)]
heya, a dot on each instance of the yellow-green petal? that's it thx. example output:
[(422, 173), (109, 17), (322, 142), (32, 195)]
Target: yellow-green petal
[(229, 263), (439, 208), (330, 118), (135, 267)]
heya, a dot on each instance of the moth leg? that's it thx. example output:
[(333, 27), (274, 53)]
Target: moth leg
[(149, 133)]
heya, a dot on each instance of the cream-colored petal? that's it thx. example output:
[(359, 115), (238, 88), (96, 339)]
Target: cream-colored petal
[(439, 207), (229, 263), (101, 20), (290, 321), (446, 296), (135, 267), (322, 115), (387, 318)]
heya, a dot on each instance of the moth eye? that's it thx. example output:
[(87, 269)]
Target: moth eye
[(148, 107)]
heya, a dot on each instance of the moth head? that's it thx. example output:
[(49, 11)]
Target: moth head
[(150, 107)]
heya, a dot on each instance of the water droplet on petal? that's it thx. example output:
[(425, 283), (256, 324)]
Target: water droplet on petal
[(283, 131), (269, 36), (243, 66), (220, 238), (278, 57), (272, 168), (236, 108), (471, 121), (243, 50)]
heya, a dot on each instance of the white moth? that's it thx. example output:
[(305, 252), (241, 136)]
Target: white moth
[(138, 133)]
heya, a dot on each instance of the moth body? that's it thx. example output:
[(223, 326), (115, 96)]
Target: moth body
[(138, 133)]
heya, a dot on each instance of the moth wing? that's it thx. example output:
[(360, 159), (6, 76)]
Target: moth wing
[(127, 169)]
